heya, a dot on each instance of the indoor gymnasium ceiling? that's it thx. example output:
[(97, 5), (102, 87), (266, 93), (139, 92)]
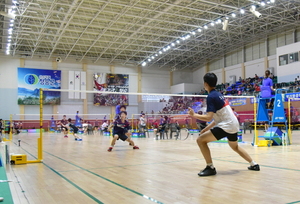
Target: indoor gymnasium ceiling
[(137, 31)]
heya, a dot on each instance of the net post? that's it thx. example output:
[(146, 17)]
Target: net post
[(11, 127), (132, 123), (255, 124), (289, 121), (40, 140), (111, 125)]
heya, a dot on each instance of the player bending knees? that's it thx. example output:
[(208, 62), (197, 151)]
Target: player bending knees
[(225, 124), (120, 131)]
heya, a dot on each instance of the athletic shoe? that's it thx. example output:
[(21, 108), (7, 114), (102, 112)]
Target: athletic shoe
[(79, 139), (75, 138), (110, 149), (136, 147), (254, 168), (208, 171), (66, 136)]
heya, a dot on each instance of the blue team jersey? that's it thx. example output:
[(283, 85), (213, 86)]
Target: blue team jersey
[(223, 114), (118, 107)]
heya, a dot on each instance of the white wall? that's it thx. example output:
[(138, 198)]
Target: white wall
[(251, 68), (235, 70), (288, 72), (191, 88), (254, 67), (177, 89), (273, 63), (182, 77), (219, 74), (198, 76), (153, 81), (185, 88), (8, 88)]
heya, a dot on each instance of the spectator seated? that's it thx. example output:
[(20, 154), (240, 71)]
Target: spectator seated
[(174, 128)]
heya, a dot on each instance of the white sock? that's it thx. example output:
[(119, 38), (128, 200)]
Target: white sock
[(211, 165), (252, 163)]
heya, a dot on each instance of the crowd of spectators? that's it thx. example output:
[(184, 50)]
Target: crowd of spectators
[(251, 86), (243, 87), (179, 105)]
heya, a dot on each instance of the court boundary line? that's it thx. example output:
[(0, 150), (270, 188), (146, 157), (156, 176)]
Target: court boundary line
[(68, 180), (106, 179), (217, 158), (260, 165), (133, 191), (113, 182)]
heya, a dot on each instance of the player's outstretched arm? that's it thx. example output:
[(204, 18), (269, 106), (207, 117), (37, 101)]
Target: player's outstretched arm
[(208, 117)]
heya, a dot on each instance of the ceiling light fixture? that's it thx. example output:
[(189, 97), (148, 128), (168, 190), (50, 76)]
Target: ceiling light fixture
[(224, 20), (225, 24), (256, 13)]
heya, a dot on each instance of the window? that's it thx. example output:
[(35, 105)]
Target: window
[(283, 60), (293, 57)]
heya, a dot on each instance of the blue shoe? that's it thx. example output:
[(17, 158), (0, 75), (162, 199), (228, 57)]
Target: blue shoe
[(75, 138), (79, 139)]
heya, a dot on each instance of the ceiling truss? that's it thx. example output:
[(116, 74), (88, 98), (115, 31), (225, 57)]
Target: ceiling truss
[(131, 31)]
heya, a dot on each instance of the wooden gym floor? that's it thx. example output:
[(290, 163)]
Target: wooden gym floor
[(161, 171)]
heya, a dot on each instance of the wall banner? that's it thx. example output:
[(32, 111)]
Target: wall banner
[(31, 80), (292, 96), (113, 83), (237, 102)]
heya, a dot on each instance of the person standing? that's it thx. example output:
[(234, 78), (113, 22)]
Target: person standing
[(1, 129), (268, 82), (77, 120), (142, 123), (64, 126), (224, 124)]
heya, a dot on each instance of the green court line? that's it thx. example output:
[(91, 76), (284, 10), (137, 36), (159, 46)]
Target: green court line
[(4, 186), (294, 202), (175, 161), (109, 167), (259, 165), (76, 186), (131, 190), (72, 183), (145, 196)]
